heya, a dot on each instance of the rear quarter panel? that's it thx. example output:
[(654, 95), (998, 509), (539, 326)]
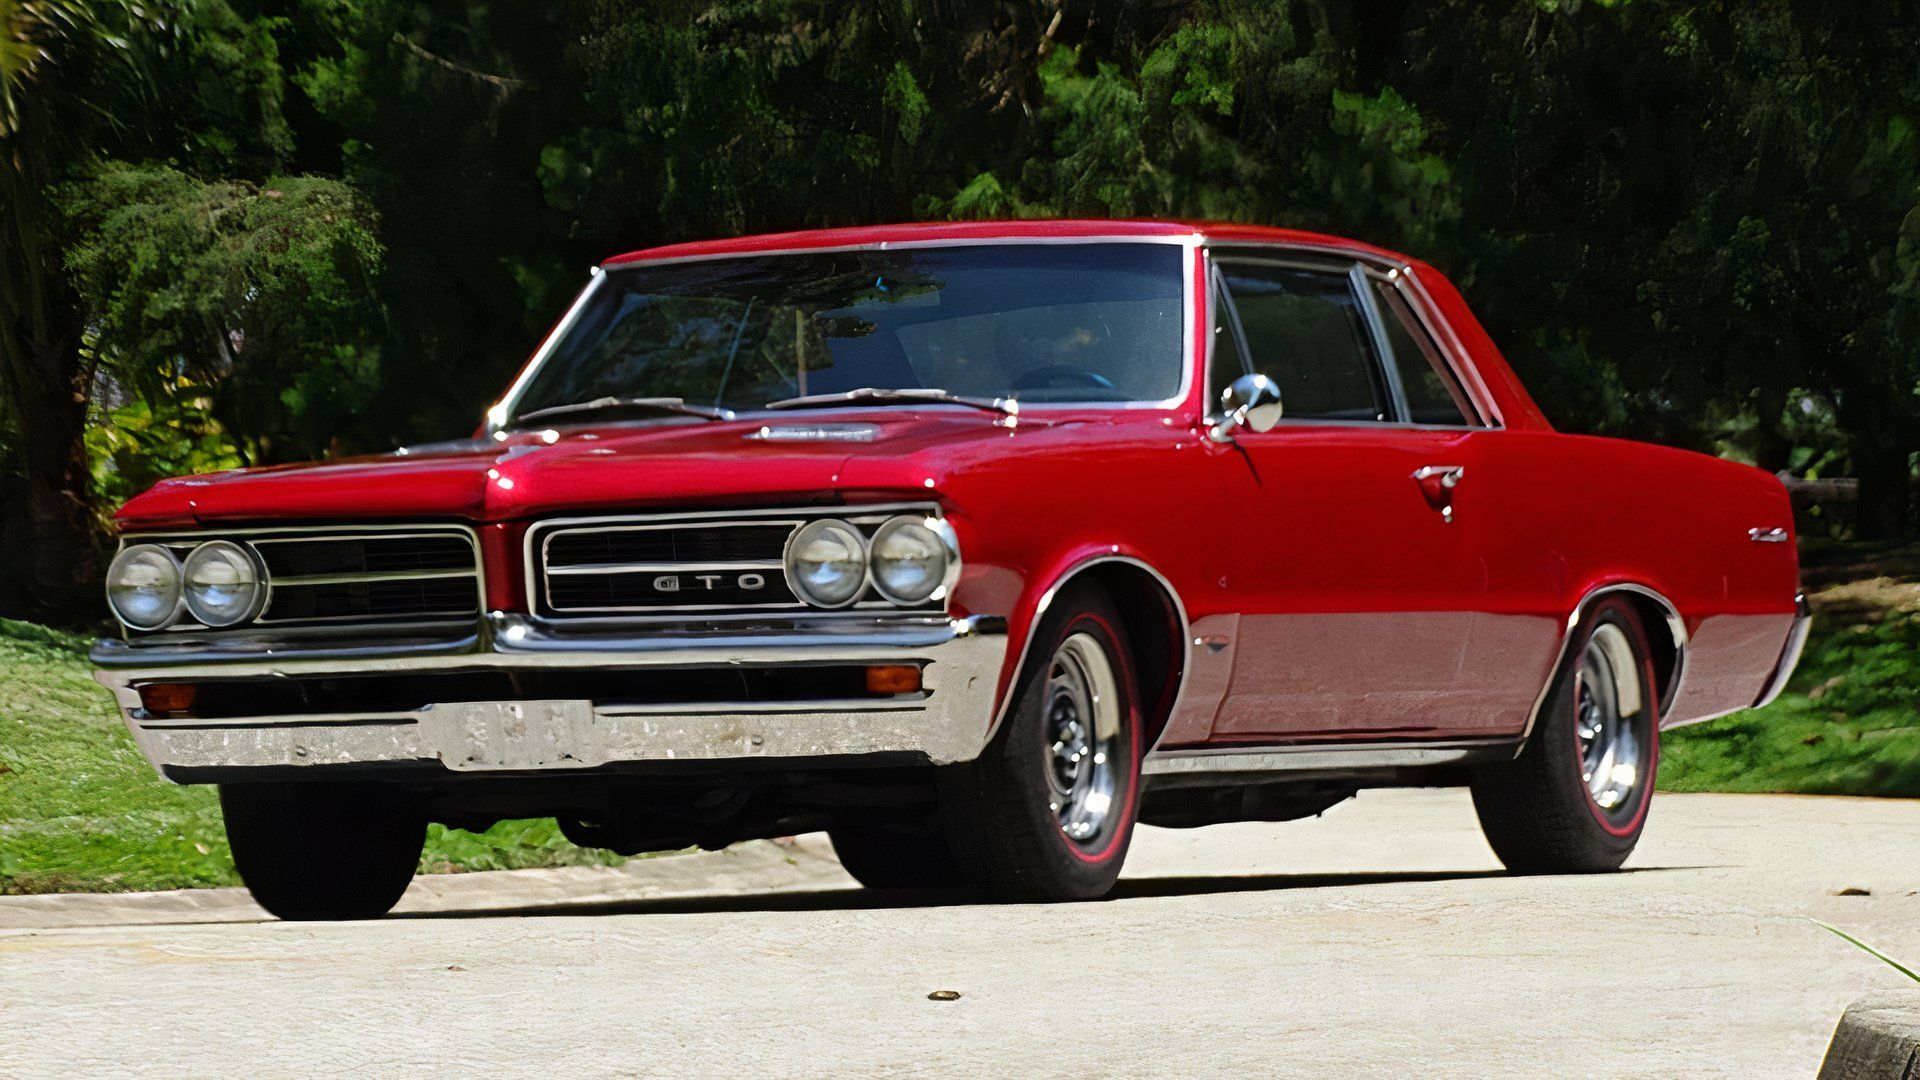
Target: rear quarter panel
[(1569, 515)]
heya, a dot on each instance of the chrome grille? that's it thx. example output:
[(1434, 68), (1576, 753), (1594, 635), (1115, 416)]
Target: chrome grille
[(356, 574), (673, 565), (370, 577)]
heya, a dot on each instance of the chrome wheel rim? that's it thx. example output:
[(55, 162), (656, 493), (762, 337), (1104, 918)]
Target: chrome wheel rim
[(1607, 702), (1082, 715)]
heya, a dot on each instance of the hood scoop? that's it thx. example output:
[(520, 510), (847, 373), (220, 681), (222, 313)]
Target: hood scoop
[(830, 433)]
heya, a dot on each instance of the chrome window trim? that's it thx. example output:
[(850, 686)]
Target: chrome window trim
[(1452, 349), (1384, 379), (1383, 359), (1401, 275), (257, 534), (541, 607), (1190, 243)]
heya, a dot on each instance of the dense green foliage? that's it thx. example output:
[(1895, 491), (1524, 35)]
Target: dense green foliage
[(248, 231), (80, 809)]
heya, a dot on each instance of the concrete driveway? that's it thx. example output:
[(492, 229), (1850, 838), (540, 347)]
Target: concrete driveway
[(1378, 940)]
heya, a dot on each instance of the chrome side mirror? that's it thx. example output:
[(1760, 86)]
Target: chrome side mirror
[(1252, 402)]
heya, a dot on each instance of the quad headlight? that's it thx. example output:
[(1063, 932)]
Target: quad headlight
[(911, 559), (223, 585), (219, 584), (143, 586), (827, 563)]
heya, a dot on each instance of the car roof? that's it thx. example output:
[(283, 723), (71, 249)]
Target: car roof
[(1033, 229)]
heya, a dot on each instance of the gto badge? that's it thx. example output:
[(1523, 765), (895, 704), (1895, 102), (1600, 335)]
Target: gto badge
[(708, 582)]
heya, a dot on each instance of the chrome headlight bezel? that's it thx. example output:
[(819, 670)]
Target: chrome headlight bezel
[(791, 562), (945, 544), (237, 555), (168, 564)]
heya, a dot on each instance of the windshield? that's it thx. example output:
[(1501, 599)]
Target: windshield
[(1097, 322)]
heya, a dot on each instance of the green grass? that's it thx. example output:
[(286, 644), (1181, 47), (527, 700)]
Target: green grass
[(81, 810)]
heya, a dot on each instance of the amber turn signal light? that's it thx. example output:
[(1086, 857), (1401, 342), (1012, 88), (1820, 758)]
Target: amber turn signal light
[(893, 679), (167, 697)]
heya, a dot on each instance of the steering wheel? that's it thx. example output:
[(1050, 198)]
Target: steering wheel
[(1062, 375)]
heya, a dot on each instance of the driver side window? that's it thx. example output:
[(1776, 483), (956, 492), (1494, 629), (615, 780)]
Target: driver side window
[(1305, 329)]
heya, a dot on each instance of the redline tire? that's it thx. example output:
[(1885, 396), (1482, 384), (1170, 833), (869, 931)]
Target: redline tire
[(1047, 810), (1543, 812), (323, 850)]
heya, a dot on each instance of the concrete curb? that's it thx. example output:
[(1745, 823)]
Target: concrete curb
[(1878, 1039)]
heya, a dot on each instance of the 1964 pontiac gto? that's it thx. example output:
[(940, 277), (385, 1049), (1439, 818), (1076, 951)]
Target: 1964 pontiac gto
[(971, 544)]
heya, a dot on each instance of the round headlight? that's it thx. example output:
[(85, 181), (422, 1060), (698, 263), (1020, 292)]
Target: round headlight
[(910, 559), (143, 586), (827, 563), (223, 584)]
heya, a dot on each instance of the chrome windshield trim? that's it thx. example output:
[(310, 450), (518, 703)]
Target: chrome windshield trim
[(497, 414), (500, 412)]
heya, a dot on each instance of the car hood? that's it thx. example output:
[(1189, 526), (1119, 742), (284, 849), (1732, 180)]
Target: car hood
[(665, 463)]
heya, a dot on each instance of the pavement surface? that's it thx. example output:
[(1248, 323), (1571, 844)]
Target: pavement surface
[(1379, 940)]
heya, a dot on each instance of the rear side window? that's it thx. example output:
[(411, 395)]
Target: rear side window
[(1433, 394), (1304, 328)]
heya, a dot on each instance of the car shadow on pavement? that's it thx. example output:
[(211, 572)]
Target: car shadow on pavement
[(853, 898)]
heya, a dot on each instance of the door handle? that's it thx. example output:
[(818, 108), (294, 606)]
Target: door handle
[(1775, 535), (1437, 483)]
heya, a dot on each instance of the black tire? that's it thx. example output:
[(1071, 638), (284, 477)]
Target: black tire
[(1537, 811), (998, 810), (888, 855), (323, 850)]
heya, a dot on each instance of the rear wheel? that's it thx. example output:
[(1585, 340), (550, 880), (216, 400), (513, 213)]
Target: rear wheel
[(1576, 798), (1047, 810), (323, 850)]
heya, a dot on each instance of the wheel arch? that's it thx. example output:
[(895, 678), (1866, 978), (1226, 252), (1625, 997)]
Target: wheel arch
[(1155, 621), (1666, 641)]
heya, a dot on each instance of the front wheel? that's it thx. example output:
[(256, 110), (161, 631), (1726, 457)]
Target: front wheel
[(1576, 798), (1047, 810), (892, 855), (323, 850)]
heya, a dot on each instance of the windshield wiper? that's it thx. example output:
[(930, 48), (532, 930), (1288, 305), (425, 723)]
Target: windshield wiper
[(873, 395), (677, 406)]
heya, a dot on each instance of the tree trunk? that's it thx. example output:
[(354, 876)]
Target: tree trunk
[(1771, 448), (1883, 444), (50, 570), (1886, 491)]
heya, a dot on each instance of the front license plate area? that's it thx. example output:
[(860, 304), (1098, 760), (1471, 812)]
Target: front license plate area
[(494, 735)]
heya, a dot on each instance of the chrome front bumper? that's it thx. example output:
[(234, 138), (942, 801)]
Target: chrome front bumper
[(949, 720)]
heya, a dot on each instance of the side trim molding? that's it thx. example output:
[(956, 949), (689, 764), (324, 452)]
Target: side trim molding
[(1298, 757)]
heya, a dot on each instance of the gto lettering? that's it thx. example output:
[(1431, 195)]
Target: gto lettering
[(669, 583)]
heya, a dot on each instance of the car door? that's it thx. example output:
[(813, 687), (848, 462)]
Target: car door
[(1357, 589)]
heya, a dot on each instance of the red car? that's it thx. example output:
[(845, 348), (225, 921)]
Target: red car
[(971, 544)]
